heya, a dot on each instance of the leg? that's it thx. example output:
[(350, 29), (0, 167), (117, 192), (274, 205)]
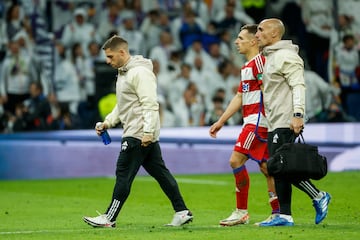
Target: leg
[(320, 199), (128, 164), (155, 166), (307, 187), (273, 199), (242, 181), (242, 184), (282, 185), (284, 192)]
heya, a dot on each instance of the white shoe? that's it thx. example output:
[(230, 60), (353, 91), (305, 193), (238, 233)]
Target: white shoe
[(271, 217), (236, 217), (99, 221), (181, 218)]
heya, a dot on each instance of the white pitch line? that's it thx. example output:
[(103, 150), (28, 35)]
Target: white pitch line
[(87, 230), (191, 181), (43, 231)]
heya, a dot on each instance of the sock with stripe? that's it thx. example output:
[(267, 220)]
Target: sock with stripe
[(309, 188), (242, 187), (274, 202), (113, 210)]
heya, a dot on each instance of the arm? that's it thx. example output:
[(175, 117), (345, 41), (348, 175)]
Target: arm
[(110, 121), (112, 118), (145, 86), (293, 70), (325, 90), (232, 108), (67, 36)]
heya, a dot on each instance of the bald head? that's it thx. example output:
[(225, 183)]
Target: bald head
[(276, 25), (270, 31)]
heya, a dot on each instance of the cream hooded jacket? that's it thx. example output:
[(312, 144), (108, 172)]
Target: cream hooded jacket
[(284, 84), (137, 108)]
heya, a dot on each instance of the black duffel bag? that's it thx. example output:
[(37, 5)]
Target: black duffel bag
[(297, 160)]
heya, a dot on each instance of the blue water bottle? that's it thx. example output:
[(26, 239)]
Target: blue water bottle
[(104, 134)]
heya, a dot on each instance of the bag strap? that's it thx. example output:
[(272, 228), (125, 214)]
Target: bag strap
[(299, 138), (258, 120)]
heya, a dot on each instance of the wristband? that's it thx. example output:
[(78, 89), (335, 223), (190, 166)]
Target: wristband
[(298, 115)]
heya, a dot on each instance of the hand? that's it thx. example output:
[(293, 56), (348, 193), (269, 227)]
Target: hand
[(215, 128), (297, 125), (100, 127), (146, 139)]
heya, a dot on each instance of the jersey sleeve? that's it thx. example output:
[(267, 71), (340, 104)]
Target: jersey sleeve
[(259, 68)]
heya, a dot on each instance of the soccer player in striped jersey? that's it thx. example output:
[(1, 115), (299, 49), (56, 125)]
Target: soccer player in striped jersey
[(251, 143)]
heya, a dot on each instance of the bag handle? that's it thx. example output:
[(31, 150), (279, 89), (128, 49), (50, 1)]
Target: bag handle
[(299, 138)]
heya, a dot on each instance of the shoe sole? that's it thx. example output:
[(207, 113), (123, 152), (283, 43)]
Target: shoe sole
[(233, 224), (95, 225), (229, 224), (186, 222), (265, 221), (279, 225)]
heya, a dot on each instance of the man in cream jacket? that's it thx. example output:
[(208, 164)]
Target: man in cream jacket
[(137, 110)]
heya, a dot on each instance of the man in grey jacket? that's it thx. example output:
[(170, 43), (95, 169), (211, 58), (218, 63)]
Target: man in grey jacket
[(284, 101), (137, 110)]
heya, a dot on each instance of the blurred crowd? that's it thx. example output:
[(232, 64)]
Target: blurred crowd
[(50, 50)]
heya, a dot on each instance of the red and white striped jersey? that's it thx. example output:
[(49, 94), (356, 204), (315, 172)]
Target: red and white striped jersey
[(252, 102)]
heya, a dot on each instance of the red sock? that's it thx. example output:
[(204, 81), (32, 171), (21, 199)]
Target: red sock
[(274, 203), (242, 187)]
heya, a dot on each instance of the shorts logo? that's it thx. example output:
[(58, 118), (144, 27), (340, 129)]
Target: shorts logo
[(275, 138), (238, 144), (124, 146)]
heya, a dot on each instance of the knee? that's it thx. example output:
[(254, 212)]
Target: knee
[(237, 160), (234, 164)]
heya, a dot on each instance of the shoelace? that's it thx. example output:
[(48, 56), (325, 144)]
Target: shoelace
[(102, 215)]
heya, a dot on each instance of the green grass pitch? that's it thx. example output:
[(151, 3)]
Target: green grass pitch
[(53, 209)]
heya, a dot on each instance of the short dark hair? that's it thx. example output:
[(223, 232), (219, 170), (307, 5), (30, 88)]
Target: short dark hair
[(251, 28), (38, 85), (348, 36), (115, 42), (218, 99)]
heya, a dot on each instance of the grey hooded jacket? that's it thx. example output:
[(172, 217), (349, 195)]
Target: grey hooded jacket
[(284, 84), (137, 108)]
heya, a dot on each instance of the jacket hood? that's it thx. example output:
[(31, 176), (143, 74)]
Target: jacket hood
[(283, 44), (139, 60)]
